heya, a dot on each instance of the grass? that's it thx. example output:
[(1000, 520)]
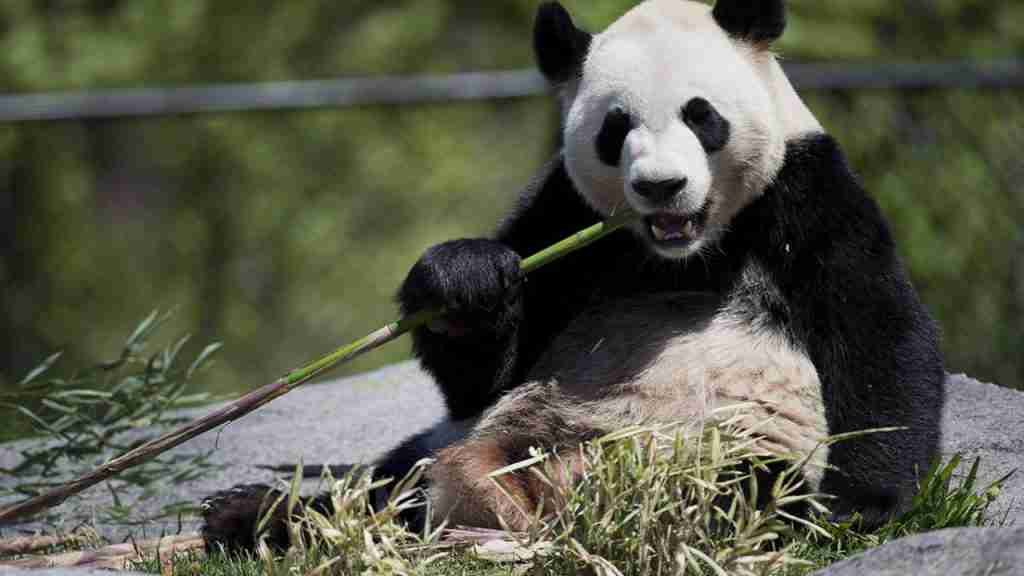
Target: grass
[(943, 501), (650, 501)]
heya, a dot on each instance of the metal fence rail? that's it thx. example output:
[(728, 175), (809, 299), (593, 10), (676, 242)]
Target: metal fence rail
[(390, 90)]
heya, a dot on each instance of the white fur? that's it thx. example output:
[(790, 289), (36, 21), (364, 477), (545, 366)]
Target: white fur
[(674, 358), (651, 62), (775, 387)]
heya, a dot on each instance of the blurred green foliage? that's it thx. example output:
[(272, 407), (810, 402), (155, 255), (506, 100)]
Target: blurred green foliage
[(286, 234)]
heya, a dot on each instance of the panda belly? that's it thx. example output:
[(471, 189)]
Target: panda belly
[(674, 358)]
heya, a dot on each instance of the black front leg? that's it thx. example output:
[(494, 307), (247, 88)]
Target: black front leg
[(471, 352), (231, 518)]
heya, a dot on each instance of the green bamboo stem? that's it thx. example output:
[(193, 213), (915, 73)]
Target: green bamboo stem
[(266, 394)]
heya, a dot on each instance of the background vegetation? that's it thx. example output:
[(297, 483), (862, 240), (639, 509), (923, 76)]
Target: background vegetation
[(285, 234)]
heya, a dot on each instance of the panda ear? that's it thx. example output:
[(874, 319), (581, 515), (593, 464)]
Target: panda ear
[(559, 45), (756, 21)]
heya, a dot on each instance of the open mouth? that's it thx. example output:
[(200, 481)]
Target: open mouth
[(676, 230)]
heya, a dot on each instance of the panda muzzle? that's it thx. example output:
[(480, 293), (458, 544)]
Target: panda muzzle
[(667, 227)]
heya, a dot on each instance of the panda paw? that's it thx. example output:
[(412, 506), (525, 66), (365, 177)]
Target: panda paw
[(231, 518), (478, 281)]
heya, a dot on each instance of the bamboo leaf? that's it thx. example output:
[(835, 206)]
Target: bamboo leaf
[(202, 359), (40, 422), (171, 354), (39, 370), (142, 331), (53, 405), (73, 394)]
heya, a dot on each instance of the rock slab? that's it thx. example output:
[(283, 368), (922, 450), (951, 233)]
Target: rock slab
[(954, 552), (987, 421)]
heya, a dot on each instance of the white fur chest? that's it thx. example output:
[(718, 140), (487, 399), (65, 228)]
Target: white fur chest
[(682, 358), (774, 387)]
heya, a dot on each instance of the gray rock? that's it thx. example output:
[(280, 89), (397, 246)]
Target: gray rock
[(983, 420), (955, 552), (357, 419)]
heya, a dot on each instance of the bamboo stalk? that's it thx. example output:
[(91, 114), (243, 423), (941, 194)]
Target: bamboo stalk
[(465, 535), (29, 544), (257, 398), (116, 557)]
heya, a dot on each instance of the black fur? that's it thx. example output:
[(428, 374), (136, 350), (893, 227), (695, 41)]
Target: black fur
[(612, 137), (658, 191), (856, 314), (559, 45), (711, 129), (757, 21), (231, 517), (478, 281)]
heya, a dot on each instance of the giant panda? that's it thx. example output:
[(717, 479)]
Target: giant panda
[(759, 272)]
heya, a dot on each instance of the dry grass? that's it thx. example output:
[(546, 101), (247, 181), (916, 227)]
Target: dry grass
[(649, 500), (652, 501)]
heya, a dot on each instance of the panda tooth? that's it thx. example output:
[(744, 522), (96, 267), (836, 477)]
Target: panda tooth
[(690, 229), (659, 234)]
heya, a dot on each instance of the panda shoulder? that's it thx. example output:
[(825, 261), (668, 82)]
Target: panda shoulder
[(818, 195)]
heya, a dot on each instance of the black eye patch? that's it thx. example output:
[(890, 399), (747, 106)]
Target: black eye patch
[(612, 137), (711, 128)]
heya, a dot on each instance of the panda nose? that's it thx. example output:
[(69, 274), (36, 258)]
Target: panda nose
[(659, 190)]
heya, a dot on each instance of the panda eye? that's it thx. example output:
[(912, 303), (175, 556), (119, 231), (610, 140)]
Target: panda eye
[(698, 111), (707, 124), (612, 137)]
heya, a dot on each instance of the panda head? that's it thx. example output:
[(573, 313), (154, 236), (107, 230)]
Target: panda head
[(677, 109)]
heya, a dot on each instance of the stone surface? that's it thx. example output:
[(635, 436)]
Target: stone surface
[(955, 552), (987, 421), (356, 419)]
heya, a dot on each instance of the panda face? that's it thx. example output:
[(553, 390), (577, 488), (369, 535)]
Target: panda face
[(672, 114)]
